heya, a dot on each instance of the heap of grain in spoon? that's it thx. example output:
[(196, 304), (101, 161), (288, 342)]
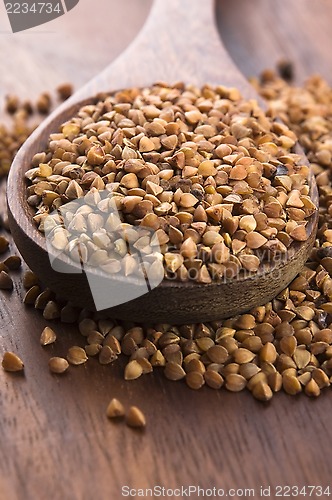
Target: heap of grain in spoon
[(209, 175)]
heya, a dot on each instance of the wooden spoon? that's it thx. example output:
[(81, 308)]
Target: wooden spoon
[(178, 42)]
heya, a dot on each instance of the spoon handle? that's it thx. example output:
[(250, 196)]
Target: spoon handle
[(178, 42), (182, 27)]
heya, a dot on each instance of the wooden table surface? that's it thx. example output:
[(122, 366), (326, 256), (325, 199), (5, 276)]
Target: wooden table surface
[(55, 441)]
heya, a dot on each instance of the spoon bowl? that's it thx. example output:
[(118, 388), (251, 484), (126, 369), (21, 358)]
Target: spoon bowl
[(179, 42)]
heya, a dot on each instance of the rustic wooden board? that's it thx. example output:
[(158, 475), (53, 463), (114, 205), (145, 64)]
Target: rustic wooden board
[(55, 439)]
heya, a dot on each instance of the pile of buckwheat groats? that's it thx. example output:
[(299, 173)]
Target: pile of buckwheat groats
[(205, 175), (287, 343)]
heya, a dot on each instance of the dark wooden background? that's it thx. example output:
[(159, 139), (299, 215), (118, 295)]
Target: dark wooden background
[(55, 441)]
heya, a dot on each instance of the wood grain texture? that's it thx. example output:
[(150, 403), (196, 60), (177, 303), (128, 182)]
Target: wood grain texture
[(259, 33), (55, 440), (160, 52)]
